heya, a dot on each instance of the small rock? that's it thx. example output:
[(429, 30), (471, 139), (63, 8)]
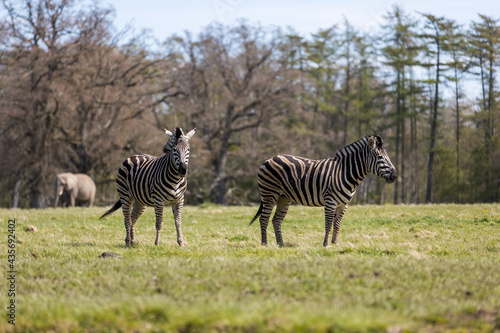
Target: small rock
[(31, 228), (108, 254)]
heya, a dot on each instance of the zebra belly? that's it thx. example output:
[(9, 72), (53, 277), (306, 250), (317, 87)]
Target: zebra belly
[(303, 198), (147, 194)]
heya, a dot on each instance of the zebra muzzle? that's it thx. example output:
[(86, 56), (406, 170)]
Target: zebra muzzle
[(183, 168), (391, 176)]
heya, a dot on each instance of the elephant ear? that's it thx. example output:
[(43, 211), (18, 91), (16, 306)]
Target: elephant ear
[(63, 180)]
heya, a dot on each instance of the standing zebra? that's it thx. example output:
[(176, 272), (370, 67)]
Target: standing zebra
[(330, 183), (145, 180)]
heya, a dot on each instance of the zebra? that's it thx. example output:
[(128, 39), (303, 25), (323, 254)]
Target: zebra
[(145, 180), (331, 183)]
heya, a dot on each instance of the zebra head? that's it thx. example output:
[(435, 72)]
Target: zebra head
[(378, 161), (178, 146)]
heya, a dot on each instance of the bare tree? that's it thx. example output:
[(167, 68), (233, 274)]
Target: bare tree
[(68, 90), (233, 82)]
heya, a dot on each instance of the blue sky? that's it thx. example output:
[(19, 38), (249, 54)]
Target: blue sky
[(165, 18)]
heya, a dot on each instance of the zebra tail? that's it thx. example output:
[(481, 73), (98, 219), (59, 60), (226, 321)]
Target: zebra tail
[(117, 205), (258, 213)]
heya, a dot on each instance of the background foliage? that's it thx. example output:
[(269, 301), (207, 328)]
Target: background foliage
[(78, 96)]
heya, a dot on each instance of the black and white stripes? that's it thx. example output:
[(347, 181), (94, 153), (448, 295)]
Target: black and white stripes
[(331, 183), (145, 180)]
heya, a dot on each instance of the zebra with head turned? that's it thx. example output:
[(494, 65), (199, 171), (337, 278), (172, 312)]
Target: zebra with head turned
[(331, 183), (145, 180)]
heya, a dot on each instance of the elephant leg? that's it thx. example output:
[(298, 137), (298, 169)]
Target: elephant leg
[(281, 210), (339, 214), (177, 209), (267, 208), (72, 200), (159, 219), (92, 197), (126, 208), (136, 212)]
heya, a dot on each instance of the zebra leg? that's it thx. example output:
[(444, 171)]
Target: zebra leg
[(339, 214), (136, 212), (267, 209), (330, 208), (279, 215), (126, 208), (177, 209), (159, 219)]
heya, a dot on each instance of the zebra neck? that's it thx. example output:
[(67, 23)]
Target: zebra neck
[(352, 161), (170, 171)]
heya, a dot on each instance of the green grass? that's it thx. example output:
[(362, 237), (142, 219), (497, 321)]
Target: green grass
[(395, 269)]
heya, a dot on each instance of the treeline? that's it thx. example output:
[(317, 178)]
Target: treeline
[(77, 96)]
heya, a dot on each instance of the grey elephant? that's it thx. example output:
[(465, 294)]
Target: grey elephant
[(78, 187)]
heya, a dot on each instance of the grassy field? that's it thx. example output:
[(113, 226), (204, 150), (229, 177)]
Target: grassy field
[(430, 268)]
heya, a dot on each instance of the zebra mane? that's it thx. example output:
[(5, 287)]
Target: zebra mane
[(172, 140), (354, 146)]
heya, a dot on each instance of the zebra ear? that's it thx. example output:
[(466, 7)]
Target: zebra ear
[(371, 141), (191, 133), (170, 142)]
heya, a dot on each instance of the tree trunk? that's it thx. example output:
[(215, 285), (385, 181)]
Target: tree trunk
[(402, 120), (457, 141), (398, 112), (15, 198), (220, 181), (413, 142), (346, 104), (219, 184), (489, 126), (430, 168), (37, 196)]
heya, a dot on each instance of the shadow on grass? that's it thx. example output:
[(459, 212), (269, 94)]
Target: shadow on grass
[(92, 244), (82, 244), (367, 251)]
